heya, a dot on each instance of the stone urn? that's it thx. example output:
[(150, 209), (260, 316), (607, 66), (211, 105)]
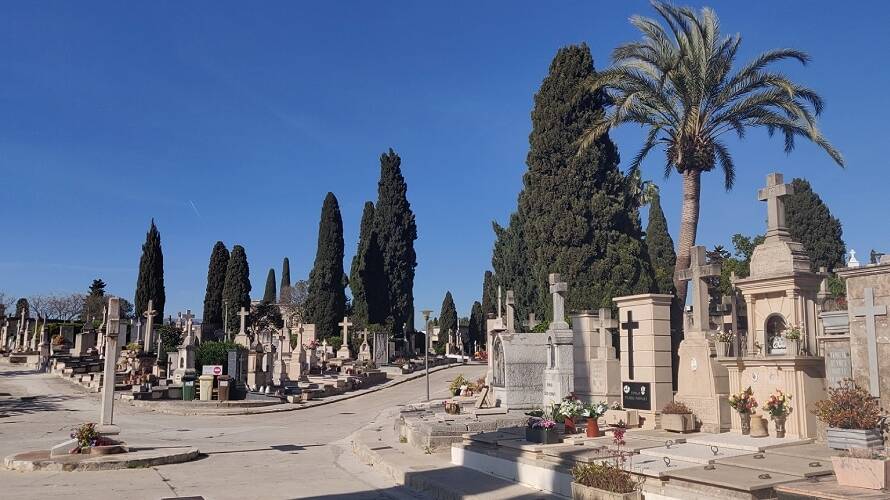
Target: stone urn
[(759, 427)]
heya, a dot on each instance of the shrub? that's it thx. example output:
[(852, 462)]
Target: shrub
[(213, 353), (849, 406), (336, 342), (458, 381), (676, 408), (606, 477)]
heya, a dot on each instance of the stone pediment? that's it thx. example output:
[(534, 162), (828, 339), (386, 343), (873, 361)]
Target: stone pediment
[(779, 256)]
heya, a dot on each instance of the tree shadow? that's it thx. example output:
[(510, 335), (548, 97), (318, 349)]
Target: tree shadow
[(10, 407)]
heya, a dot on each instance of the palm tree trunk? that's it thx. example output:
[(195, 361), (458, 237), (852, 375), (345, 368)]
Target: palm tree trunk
[(688, 227)]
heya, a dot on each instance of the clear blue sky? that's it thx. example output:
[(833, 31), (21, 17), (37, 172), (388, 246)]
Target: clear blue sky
[(117, 112)]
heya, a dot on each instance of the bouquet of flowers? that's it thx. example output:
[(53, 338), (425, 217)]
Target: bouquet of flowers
[(793, 333), (595, 410), (542, 423), (778, 404), (570, 408), (721, 336), (744, 401)]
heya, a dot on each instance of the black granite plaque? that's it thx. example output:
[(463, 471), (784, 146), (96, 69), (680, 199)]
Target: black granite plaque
[(636, 396)]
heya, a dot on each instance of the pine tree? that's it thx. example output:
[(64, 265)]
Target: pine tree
[(447, 318), (150, 283), (326, 303), (577, 214), (476, 326), (216, 281), (94, 303), (489, 295), (269, 293), (660, 247), (236, 289), (811, 223), (285, 276), (396, 232)]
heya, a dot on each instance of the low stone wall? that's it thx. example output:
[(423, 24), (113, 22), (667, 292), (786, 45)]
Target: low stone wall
[(427, 427)]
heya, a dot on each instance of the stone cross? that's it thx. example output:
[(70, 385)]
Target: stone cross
[(511, 316), (188, 317), (244, 314), (112, 321), (345, 324), (558, 289), (869, 311), (772, 194), (138, 329), (698, 273), (149, 316), (629, 326), (101, 340), (606, 322), (500, 313), (531, 323)]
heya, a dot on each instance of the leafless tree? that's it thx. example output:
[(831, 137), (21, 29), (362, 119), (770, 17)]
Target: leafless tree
[(292, 302), (39, 305), (66, 307), (7, 303)]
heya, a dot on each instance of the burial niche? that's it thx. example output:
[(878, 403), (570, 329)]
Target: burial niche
[(498, 353), (775, 341)]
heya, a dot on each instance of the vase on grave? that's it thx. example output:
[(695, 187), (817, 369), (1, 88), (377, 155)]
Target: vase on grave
[(780, 426), (542, 436), (746, 423), (792, 347), (570, 425), (759, 427), (722, 349), (593, 428)]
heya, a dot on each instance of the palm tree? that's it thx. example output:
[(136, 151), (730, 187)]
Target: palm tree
[(681, 85)]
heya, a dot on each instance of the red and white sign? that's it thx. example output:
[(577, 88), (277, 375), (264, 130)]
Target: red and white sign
[(215, 370)]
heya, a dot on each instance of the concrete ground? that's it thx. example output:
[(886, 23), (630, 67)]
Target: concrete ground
[(302, 454)]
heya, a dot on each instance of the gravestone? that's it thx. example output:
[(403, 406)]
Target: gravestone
[(381, 348), (242, 338), (559, 375), (84, 341), (531, 322), (645, 336), (112, 328), (364, 350), (703, 383), (344, 353), (149, 316), (185, 361), (597, 369)]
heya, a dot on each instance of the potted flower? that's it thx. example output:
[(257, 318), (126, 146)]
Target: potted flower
[(593, 412), (723, 342), (744, 403), (618, 415), (456, 384), (451, 407), (862, 468), (779, 407), (90, 441), (603, 481), (853, 416), (677, 417), (568, 411), (792, 340), (542, 430)]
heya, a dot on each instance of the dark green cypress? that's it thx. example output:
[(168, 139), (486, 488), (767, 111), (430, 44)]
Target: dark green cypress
[(285, 276), (269, 293), (94, 304), (447, 318), (356, 283), (476, 326), (811, 223), (326, 303), (512, 270), (489, 295), (150, 283), (577, 213), (660, 246), (236, 290), (396, 232), (216, 282), (22, 305)]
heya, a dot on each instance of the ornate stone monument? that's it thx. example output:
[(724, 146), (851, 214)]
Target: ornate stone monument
[(559, 375), (364, 351), (646, 375)]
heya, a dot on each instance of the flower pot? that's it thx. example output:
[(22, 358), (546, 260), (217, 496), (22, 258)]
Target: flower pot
[(843, 439), (792, 347), (452, 408), (780, 426), (581, 492), (677, 422), (593, 428), (746, 423), (542, 436), (861, 472), (722, 349), (630, 418), (570, 425)]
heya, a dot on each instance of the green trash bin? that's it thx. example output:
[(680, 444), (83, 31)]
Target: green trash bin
[(188, 387)]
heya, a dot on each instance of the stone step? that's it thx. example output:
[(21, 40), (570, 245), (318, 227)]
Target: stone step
[(732, 440), (696, 453)]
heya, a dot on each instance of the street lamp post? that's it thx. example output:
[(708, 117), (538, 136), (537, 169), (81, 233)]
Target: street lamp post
[(426, 350)]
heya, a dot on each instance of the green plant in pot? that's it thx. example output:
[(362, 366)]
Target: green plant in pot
[(677, 417), (792, 340), (854, 418), (593, 412), (568, 410), (457, 384)]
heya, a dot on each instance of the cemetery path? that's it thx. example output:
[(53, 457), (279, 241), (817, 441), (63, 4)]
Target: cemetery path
[(301, 454)]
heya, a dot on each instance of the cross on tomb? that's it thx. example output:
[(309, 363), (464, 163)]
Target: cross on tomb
[(698, 273), (629, 326), (772, 194), (509, 303), (188, 317), (244, 314), (345, 324), (869, 311), (558, 288), (531, 323), (500, 314)]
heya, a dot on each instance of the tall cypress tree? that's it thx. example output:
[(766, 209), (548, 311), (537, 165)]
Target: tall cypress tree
[(326, 303), (577, 213), (447, 317), (477, 325), (150, 283), (356, 283), (21, 306), (285, 276), (512, 270), (216, 281), (489, 295), (811, 223), (236, 290), (269, 293), (660, 247), (396, 232)]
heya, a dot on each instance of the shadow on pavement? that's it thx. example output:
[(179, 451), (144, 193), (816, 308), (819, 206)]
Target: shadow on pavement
[(10, 407)]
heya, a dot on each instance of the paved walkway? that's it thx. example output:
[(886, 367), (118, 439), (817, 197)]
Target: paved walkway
[(302, 454)]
